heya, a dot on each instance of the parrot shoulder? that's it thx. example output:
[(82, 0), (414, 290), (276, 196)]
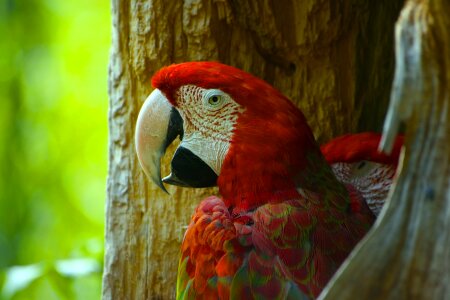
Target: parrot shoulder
[(227, 254), (283, 250), (203, 247), (298, 244)]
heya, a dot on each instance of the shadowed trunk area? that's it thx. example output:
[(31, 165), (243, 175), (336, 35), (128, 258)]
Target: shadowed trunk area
[(406, 255)]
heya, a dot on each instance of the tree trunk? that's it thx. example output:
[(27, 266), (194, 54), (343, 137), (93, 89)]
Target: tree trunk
[(407, 253), (334, 59)]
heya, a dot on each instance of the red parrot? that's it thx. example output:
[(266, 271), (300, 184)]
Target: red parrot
[(284, 222), (356, 161)]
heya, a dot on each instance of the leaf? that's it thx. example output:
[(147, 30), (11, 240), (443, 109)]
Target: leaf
[(18, 278), (77, 267)]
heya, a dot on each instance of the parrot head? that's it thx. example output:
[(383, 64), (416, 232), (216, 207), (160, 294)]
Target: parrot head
[(236, 131)]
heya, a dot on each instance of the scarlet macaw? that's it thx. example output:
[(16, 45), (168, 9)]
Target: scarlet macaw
[(284, 222)]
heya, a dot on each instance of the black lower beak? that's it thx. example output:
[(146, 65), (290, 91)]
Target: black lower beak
[(190, 171)]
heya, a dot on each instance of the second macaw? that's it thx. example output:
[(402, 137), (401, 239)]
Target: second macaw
[(285, 219)]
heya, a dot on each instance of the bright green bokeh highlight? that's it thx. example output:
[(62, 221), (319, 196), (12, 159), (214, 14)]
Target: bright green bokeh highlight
[(53, 146)]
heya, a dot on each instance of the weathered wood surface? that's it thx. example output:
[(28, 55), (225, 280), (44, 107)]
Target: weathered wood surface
[(407, 254), (332, 58)]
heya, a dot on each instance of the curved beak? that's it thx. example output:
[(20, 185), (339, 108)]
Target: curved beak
[(157, 126)]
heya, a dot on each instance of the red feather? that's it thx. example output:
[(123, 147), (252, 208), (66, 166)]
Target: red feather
[(361, 146)]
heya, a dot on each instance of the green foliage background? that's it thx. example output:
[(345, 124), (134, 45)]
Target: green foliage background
[(53, 133)]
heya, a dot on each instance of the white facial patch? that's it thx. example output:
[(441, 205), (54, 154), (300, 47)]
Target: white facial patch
[(209, 117), (372, 180), (211, 151)]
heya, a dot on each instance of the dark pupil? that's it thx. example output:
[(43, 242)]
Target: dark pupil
[(214, 99)]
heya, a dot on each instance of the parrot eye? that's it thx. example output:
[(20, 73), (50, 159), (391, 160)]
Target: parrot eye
[(214, 98)]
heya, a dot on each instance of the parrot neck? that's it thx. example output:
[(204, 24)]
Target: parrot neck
[(250, 188), (254, 174)]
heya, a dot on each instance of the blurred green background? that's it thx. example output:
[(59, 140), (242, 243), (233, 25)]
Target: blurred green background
[(53, 147)]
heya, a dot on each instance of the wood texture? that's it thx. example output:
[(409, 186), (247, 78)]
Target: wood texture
[(407, 254), (334, 59)]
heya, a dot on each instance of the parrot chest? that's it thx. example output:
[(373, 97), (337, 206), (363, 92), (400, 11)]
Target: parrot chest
[(279, 249)]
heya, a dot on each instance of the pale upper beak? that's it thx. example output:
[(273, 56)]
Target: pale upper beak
[(152, 136), (158, 124)]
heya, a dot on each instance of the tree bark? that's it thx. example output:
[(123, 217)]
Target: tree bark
[(334, 59), (407, 253)]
